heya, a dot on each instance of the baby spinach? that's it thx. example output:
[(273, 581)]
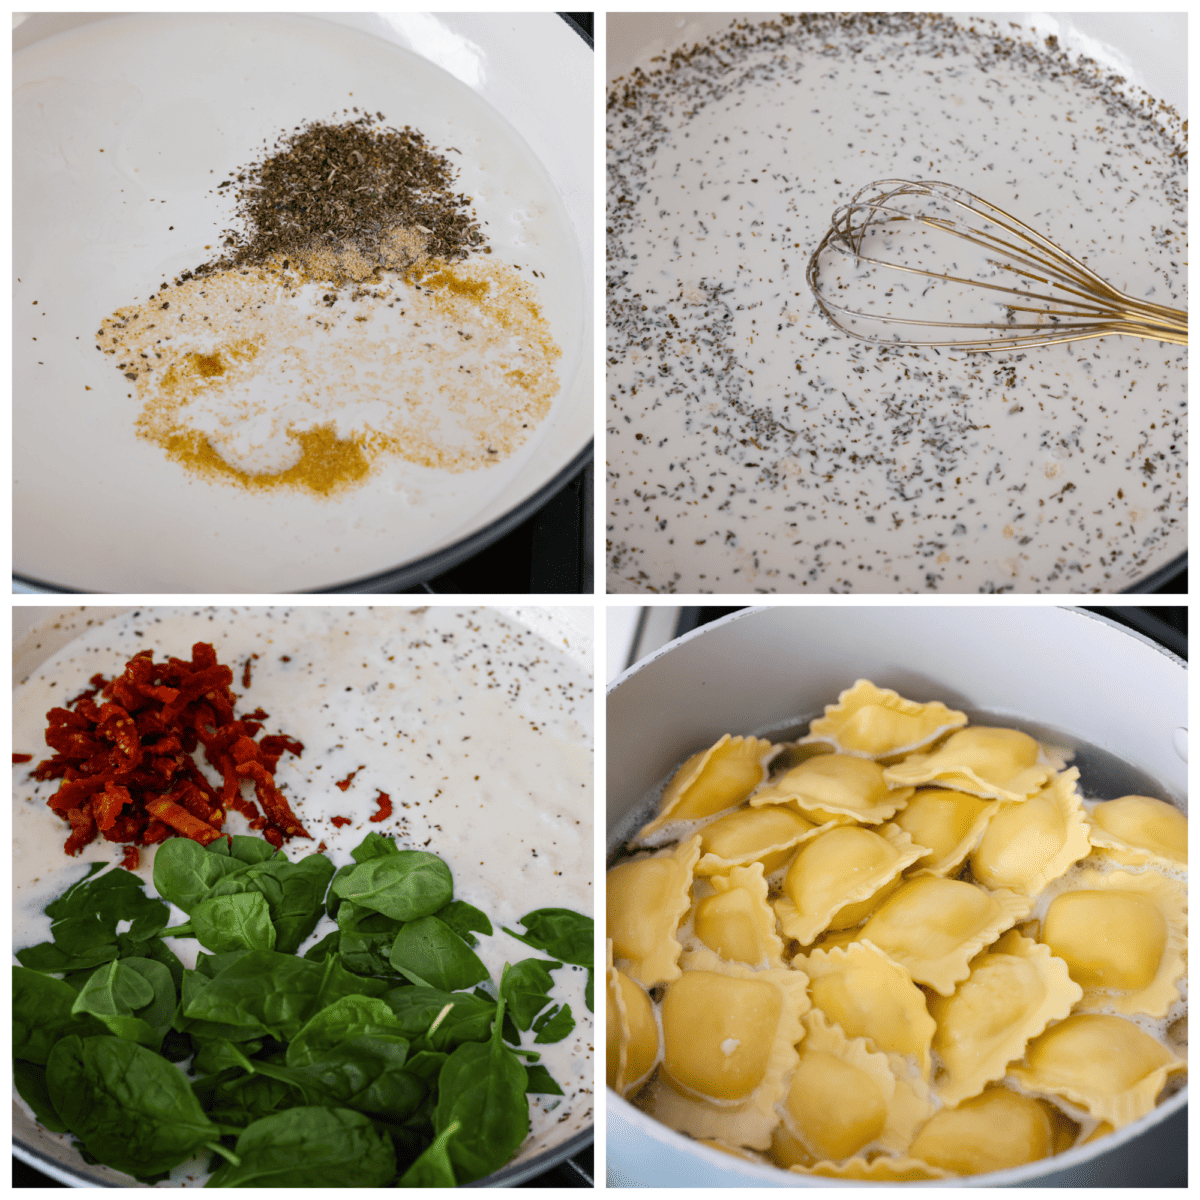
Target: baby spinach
[(238, 922), (562, 934), (185, 872), (468, 1020), (310, 1147), (482, 1087), (432, 950), (407, 885), (553, 1025), (541, 1081), (433, 1167), (321, 1066), (42, 1013), (465, 919), (366, 938), (526, 989), (130, 1108), (343, 1021)]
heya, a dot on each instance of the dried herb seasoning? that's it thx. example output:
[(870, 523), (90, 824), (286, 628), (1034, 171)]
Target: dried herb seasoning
[(339, 202)]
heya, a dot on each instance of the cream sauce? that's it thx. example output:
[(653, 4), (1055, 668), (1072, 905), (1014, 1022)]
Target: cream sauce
[(478, 729), (754, 448)]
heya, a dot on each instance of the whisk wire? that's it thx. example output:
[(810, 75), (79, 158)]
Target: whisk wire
[(1079, 304)]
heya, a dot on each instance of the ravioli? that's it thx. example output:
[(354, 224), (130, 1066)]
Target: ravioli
[(736, 921), (646, 899), (873, 722), (1123, 936), (1135, 830), (871, 997), (837, 878), (950, 823), (836, 787), (729, 1048), (712, 781), (997, 764), (1104, 1064), (934, 927), (838, 1100), (1026, 845), (767, 835), (882, 1168), (993, 1131), (632, 1031), (1014, 990)]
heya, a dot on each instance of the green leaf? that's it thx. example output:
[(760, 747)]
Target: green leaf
[(343, 1021), (553, 1025), (465, 919), (432, 950), (374, 845), (407, 885), (185, 872), (310, 1147), (86, 914), (482, 1086), (240, 922), (50, 958), (31, 1084), (527, 985), (433, 1167), (541, 1081), (366, 939), (131, 1109), (561, 933), (42, 1012), (416, 1008)]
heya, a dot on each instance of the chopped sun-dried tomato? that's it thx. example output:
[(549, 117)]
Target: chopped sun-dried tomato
[(22, 758), (132, 858), (345, 783), (385, 807), (127, 767), (340, 821)]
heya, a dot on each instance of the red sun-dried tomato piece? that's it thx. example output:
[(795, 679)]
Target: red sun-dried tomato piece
[(385, 807)]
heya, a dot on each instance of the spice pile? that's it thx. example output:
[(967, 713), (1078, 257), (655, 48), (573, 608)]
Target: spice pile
[(338, 202), (127, 767)]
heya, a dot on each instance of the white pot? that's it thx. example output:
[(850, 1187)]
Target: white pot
[(1065, 669)]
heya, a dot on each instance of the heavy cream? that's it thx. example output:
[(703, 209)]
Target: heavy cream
[(477, 728), (753, 447)]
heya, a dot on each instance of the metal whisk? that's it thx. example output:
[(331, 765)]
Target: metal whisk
[(873, 269)]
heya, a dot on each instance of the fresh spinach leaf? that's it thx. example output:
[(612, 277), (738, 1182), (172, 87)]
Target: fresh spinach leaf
[(31, 1084), (465, 919), (48, 957), (407, 885), (214, 1055), (326, 946), (87, 913), (541, 1081), (433, 1167), (130, 1108), (248, 849), (366, 939), (310, 1147), (562, 934), (295, 895), (185, 872), (553, 1025), (265, 992), (482, 1086), (527, 985), (113, 994), (374, 845), (416, 1008), (240, 922), (155, 949), (42, 1013), (432, 950), (426, 1064), (343, 1021)]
